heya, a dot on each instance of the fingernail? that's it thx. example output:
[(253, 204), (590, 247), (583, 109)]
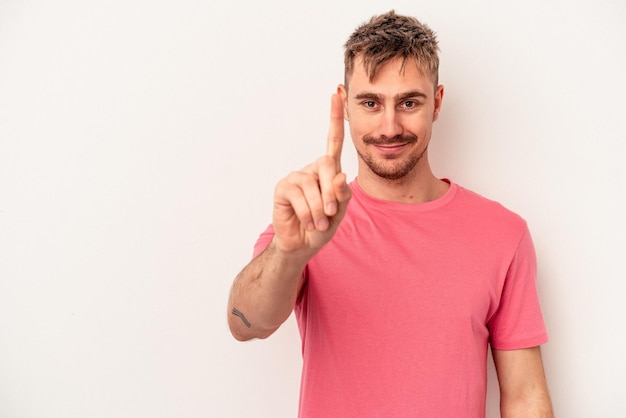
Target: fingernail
[(322, 225), (331, 208)]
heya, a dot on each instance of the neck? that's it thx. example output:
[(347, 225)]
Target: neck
[(419, 186)]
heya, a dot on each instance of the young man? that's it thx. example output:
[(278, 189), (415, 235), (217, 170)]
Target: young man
[(399, 280)]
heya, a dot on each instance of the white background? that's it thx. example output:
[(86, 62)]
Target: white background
[(140, 142)]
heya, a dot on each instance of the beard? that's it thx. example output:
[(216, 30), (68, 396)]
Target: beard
[(391, 168)]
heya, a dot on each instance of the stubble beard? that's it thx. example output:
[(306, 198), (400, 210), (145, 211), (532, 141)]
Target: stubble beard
[(397, 170)]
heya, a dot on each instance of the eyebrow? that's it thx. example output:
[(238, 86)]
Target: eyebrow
[(398, 97)]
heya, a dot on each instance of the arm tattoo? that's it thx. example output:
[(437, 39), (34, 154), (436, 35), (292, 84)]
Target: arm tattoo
[(236, 312)]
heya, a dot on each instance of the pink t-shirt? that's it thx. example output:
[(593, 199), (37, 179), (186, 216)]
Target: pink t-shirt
[(399, 308)]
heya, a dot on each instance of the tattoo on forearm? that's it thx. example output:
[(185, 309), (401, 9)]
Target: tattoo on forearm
[(236, 312)]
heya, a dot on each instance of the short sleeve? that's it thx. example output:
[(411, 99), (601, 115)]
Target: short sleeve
[(518, 322), (263, 241)]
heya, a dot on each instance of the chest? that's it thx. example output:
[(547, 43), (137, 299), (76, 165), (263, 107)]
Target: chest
[(409, 271)]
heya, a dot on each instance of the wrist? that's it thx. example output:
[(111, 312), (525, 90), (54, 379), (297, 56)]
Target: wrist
[(288, 259)]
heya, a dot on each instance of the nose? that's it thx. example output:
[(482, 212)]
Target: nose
[(390, 124)]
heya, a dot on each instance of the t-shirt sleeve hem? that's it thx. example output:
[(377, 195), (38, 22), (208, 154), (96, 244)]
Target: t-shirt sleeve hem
[(263, 241), (520, 344)]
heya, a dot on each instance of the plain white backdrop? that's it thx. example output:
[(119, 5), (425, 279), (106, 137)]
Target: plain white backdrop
[(140, 142)]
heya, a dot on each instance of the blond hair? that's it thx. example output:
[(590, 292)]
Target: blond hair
[(390, 36)]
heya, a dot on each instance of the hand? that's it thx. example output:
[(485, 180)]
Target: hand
[(309, 204)]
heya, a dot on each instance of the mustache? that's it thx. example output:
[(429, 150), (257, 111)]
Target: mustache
[(383, 140)]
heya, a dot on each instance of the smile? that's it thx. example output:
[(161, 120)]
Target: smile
[(391, 148)]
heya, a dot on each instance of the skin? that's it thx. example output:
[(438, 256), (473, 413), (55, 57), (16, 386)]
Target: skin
[(399, 103), (523, 387), (391, 119), (309, 204)]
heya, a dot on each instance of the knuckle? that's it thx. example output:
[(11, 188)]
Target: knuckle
[(303, 213), (326, 161)]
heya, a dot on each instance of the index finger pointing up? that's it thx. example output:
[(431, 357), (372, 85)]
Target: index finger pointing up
[(335, 132)]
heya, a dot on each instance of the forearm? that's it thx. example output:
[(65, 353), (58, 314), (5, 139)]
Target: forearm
[(264, 293), (523, 388), (535, 405)]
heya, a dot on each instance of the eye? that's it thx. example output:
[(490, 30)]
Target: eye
[(409, 104), (369, 104)]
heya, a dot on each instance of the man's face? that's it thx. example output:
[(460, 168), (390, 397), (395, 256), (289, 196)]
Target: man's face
[(391, 117)]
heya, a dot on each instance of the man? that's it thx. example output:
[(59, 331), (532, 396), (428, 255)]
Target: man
[(399, 280)]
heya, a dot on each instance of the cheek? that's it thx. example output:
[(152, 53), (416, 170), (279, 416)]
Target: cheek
[(417, 124), (361, 125)]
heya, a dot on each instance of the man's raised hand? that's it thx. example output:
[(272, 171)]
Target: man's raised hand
[(310, 203)]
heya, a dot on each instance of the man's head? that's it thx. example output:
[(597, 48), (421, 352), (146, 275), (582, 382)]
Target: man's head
[(391, 97), (387, 37)]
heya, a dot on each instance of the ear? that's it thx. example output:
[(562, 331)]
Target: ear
[(343, 93), (438, 101)]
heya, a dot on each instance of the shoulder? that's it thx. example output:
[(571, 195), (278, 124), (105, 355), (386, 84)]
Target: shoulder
[(475, 200), (486, 212)]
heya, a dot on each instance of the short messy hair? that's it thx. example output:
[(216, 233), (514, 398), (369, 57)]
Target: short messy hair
[(390, 36)]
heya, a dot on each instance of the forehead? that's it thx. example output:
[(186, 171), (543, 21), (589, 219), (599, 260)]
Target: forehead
[(392, 76)]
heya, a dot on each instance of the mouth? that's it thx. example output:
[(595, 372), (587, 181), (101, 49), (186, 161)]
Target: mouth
[(390, 146), (389, 149)]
